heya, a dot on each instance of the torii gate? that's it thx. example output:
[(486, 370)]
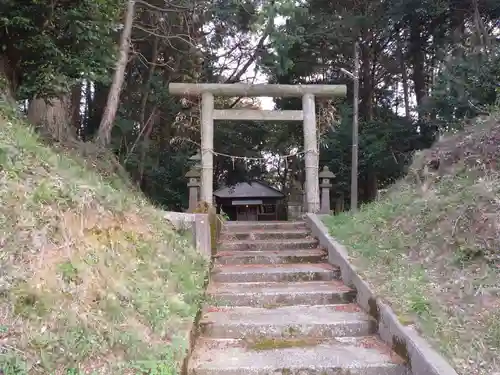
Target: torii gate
[(307, 115)]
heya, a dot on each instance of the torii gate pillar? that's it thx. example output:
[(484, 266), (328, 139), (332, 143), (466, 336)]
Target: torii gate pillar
[(307, 115), (207, 146)]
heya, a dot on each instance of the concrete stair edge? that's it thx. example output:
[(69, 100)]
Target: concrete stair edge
[(270, 256), (271, 294), (269, 244), (275, 272), (324, 321), (365, 355)]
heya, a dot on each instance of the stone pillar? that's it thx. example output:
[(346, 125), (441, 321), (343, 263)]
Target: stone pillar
[(207, 146), (325, 175), (194, 187), (304, 198), (295, 201), (339, 204), (311, 153)]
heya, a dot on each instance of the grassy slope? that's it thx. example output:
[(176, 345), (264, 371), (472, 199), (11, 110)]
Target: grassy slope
[(92, 280), (430, 248)]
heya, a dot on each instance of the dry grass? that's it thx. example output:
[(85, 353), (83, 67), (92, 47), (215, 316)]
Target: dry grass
[(92, 280), (430, 248)]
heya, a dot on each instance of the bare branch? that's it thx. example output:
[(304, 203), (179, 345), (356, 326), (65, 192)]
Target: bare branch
[(235, 77), (167, 37), (178, 8)]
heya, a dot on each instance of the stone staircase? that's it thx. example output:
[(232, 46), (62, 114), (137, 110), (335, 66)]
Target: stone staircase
[(278, 307)]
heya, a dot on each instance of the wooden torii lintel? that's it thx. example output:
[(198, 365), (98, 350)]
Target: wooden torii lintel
[(307, 115), (257, 115)]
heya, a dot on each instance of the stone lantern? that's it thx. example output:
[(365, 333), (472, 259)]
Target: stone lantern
[(193, 176), (325, 176), (197, 159)]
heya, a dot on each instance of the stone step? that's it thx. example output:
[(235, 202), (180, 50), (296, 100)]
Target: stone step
[(271, 295), (245, 226), (270, 257), (244, 273), (265, 234), (344, 355), (288, 321), (302, 243)]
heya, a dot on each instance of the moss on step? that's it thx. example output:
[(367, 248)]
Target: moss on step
[(405, 319), (271, 306), (282, 343)]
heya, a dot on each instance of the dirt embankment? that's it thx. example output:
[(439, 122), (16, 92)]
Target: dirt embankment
[(92, 279), (431, 245)]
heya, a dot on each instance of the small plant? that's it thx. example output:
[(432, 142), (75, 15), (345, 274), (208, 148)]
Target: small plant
[(154, 368), (12, 364), (420, 305), (223, 216), (69, 273)]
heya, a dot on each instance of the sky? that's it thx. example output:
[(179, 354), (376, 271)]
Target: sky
[(266, 102)]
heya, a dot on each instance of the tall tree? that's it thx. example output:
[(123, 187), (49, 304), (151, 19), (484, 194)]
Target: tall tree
[(48, 49), (104, 132)]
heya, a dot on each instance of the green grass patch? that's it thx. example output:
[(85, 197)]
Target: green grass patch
[(93, 279), (430, 249)]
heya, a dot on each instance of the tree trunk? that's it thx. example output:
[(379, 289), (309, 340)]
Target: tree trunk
[(96, 105), (457, 26), (355, 134), (284, 179), (106, 125), (417, 55), (482, 37), (7, 82), (76, 102), (148, 128), (371, 186), (366, 89), (339, 204), (404, 77), (147, 81), (53, 117), (87, 116)]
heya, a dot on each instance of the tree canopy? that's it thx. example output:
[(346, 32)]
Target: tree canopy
[(424, 66)]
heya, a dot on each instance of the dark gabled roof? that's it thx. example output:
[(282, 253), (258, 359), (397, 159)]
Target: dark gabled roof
[(252, 189)]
